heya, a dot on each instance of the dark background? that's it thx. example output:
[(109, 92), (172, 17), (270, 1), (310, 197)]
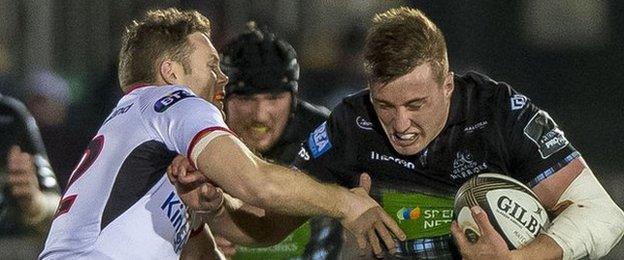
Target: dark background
[(565, 55)]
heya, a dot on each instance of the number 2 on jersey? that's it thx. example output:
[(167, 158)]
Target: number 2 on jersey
[(88, 158)]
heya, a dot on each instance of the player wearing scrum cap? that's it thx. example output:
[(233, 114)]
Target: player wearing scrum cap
[(263, 109), (421, 132)]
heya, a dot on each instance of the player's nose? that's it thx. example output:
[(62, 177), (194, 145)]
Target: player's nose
[(402, 120)]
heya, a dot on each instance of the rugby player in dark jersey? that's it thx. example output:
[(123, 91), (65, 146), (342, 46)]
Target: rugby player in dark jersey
[(262, 108), (420, 132)]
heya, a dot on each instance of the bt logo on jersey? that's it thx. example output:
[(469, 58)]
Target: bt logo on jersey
[(176, 213), (167, 101)]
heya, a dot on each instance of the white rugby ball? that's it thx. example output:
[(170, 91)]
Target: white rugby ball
[(512, 208)]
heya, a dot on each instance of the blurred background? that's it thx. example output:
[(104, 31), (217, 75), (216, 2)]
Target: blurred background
[(60, 58)]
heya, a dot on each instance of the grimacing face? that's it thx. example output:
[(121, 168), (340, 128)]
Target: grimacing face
[(206, 78), (259, 119), (413, 108)]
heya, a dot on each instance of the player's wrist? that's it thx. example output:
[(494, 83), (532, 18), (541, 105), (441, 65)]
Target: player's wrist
[(351, 207), (34, 209), (517, 255)]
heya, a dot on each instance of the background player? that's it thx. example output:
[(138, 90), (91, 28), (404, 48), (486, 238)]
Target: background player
[(28, 189), (263, 109), (421, 131), (170, 73)]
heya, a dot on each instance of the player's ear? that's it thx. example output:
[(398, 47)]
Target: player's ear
[(168, 72), (449, 84)]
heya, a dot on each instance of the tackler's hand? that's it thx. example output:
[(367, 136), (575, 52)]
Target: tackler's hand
[(490, 244), (374, 224), (194, 189)]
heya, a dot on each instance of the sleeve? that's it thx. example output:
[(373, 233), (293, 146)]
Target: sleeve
[(325, 154), (537, 146), (180, 119)]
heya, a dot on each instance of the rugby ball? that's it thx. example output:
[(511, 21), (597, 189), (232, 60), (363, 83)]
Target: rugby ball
[(512, 208)]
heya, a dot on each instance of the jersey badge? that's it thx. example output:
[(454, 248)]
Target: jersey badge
[(465, 166), (167, 101), (319, 141), (478, 126), (518, 101), (363, 123), (543, 131), (303, 153)]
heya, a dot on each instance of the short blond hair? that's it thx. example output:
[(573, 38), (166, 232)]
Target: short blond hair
[(159, 34)]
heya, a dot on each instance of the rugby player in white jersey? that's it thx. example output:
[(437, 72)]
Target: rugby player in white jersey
[(119, 204)]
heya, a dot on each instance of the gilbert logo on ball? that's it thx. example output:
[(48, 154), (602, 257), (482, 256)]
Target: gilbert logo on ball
[(512, 208)]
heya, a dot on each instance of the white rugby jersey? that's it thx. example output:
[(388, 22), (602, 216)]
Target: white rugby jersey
[(118, 203)]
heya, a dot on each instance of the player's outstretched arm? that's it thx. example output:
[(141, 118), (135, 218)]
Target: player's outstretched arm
[(201, 246), (252, 226), (228, 216), (232, 166)]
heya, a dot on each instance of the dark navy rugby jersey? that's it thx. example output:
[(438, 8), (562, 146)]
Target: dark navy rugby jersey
[(490, 128), (305, 118)]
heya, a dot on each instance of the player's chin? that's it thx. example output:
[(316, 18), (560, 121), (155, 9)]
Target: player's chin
[(262, 145), (410, 149)]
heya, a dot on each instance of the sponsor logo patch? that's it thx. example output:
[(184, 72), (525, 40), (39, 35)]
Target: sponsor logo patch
[(388, 158), (419, 215), (175, 211), (543, 131), (167, 101), (118, 111), (363, 123), (518, 101), (319, 141), (464, 166), (303, 153), (477, 126)]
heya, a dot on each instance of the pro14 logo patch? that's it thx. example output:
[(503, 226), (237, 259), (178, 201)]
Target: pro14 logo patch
[(167, 101), (319, 141), (543, 131)]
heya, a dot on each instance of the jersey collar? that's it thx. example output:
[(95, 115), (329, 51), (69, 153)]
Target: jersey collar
[(456, 108), (137, 86)]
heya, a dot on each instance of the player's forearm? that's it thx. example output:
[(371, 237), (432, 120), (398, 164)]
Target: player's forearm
[(542, 248), (290, 192), (233, 167), (251, 226), (201, 246)]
